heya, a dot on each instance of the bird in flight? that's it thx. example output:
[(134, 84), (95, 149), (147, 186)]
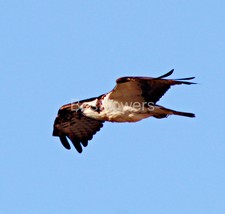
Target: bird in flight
[(131, 100)]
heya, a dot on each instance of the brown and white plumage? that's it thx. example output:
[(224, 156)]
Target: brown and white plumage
[(132, 99)]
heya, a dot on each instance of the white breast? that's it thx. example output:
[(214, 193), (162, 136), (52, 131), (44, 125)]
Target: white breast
[(115, 111)]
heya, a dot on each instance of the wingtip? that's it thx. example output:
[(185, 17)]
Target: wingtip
[(187, 78), (166, 75), (64, 142), (79, 151)]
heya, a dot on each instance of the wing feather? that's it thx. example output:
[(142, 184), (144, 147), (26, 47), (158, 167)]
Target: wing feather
[(144, 89), (72, 124)]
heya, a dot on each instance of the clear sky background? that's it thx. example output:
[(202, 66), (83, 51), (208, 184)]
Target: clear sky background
[(55, 51)]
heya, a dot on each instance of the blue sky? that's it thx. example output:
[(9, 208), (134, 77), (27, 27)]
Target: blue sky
[(54, 51)]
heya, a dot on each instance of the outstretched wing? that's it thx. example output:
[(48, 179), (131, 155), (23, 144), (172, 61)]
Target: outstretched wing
[(147, 89), (71, 123)]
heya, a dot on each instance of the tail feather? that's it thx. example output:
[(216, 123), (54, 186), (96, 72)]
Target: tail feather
[(185, 114), (161, 112)]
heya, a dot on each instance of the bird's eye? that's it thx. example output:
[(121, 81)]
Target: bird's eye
[(93, 108)]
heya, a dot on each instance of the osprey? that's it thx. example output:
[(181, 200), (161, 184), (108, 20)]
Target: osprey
[(131, 100)]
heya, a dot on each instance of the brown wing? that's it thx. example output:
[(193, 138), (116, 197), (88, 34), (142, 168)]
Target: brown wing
[(147, 89), (71, 123)]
